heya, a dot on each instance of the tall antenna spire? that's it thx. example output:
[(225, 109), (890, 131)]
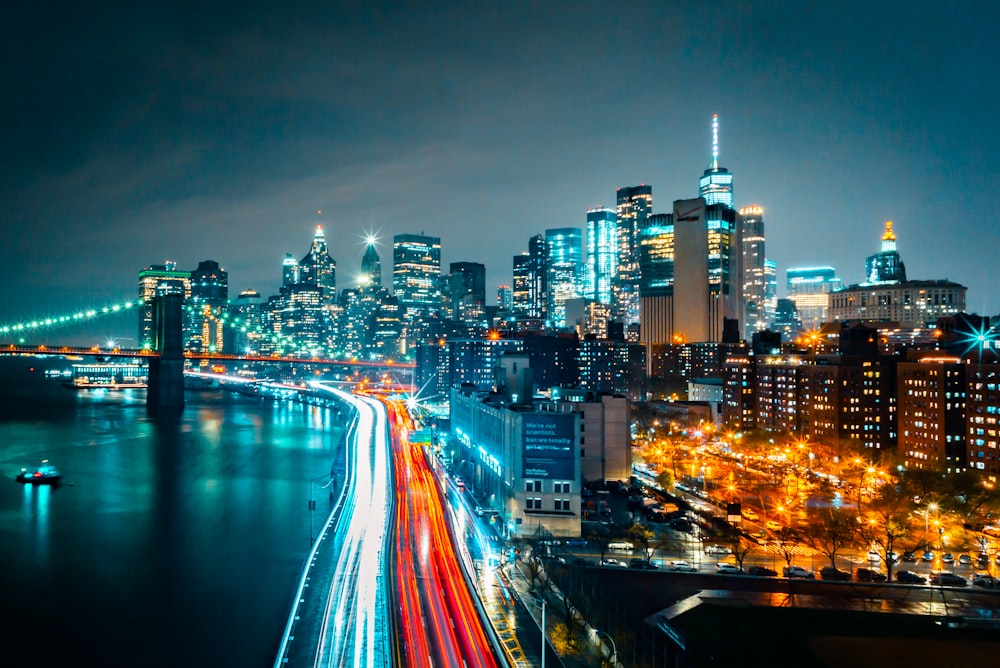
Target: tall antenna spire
[(715, 141)]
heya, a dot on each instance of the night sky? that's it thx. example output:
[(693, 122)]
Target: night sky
[(133, 135)]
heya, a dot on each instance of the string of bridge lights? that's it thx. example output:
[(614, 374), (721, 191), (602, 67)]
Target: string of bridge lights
[(69, 318), (237, 323)]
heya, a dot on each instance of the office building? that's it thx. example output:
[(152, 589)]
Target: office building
[(634, 205), (467, 290), (317, 268), (602, 255), (371, 267), (887, 296), (656, 282), (206, 309), (519, 454), (716, 185), (752, 243), (155, 280), (416, 266), (564, 248), (810, 288)]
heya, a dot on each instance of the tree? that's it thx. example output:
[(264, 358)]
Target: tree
[(786, 540), (741, 545), (642, 536), (831, 532), (600, 536), (885, 522)]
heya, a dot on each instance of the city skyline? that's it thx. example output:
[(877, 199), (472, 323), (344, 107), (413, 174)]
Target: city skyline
[(209, 137)]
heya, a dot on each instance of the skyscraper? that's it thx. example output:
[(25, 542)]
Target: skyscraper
[(318, 268), (416, 266), (565, 254), (754, 278), (371, 267), (656, 282), (635, 203), (705, 293), (155, 280), (716, 185), (468, 290), (602, 255), (810, 288), (204, 329), (885, 266)]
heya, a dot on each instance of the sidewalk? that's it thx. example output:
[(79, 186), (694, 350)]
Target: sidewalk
[(586, 649)]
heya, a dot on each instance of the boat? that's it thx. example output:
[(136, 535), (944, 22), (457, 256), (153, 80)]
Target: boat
[(46, 474)]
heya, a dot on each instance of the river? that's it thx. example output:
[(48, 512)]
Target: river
[(169, 542)]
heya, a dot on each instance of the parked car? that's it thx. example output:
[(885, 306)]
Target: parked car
[(928, 555), (612, 562), (761, 571), (984, 580), (948, 558), (726, 568), (874, 556), (869, 575), (750, 514), (773, 526), (831, 573), (717, 549), (797, 572), (965, 559), (983, 561), (681, 565), (948, 579), (622, 545), (681, 524), (576, 542), (910, 556), (642, 564), (909, 577)]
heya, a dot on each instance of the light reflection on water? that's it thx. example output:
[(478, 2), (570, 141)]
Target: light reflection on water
[(180, 543)]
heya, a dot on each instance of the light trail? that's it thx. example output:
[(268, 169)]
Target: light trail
[(439, 624), (356, 613)]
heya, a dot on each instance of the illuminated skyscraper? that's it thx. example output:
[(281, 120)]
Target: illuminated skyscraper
[(416, 266), (602, 255), (505, 298), (318, 268), (371, 267), (704, 291), (656, 283), (885, 266), (810, 288), (565, 255), (716, 185), (468, 290), (770, 289), (635, 203), (206, 309), (155, 280), (289, 270), (754, 278)]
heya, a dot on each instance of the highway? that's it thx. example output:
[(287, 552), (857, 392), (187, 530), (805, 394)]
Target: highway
[(438, 623), (341, 616)]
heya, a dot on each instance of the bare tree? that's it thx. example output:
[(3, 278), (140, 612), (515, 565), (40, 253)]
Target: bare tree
[(786, 540), (884, 523), (831, 532)]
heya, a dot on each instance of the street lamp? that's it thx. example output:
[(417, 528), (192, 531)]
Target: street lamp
[(613, 659)]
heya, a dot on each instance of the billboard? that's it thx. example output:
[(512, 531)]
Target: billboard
[(549, 446)]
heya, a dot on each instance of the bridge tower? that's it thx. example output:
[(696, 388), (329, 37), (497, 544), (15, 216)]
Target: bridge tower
[(166, 372)]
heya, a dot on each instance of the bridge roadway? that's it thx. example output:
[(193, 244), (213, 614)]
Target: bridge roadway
[(97, 351), (340, 616)]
